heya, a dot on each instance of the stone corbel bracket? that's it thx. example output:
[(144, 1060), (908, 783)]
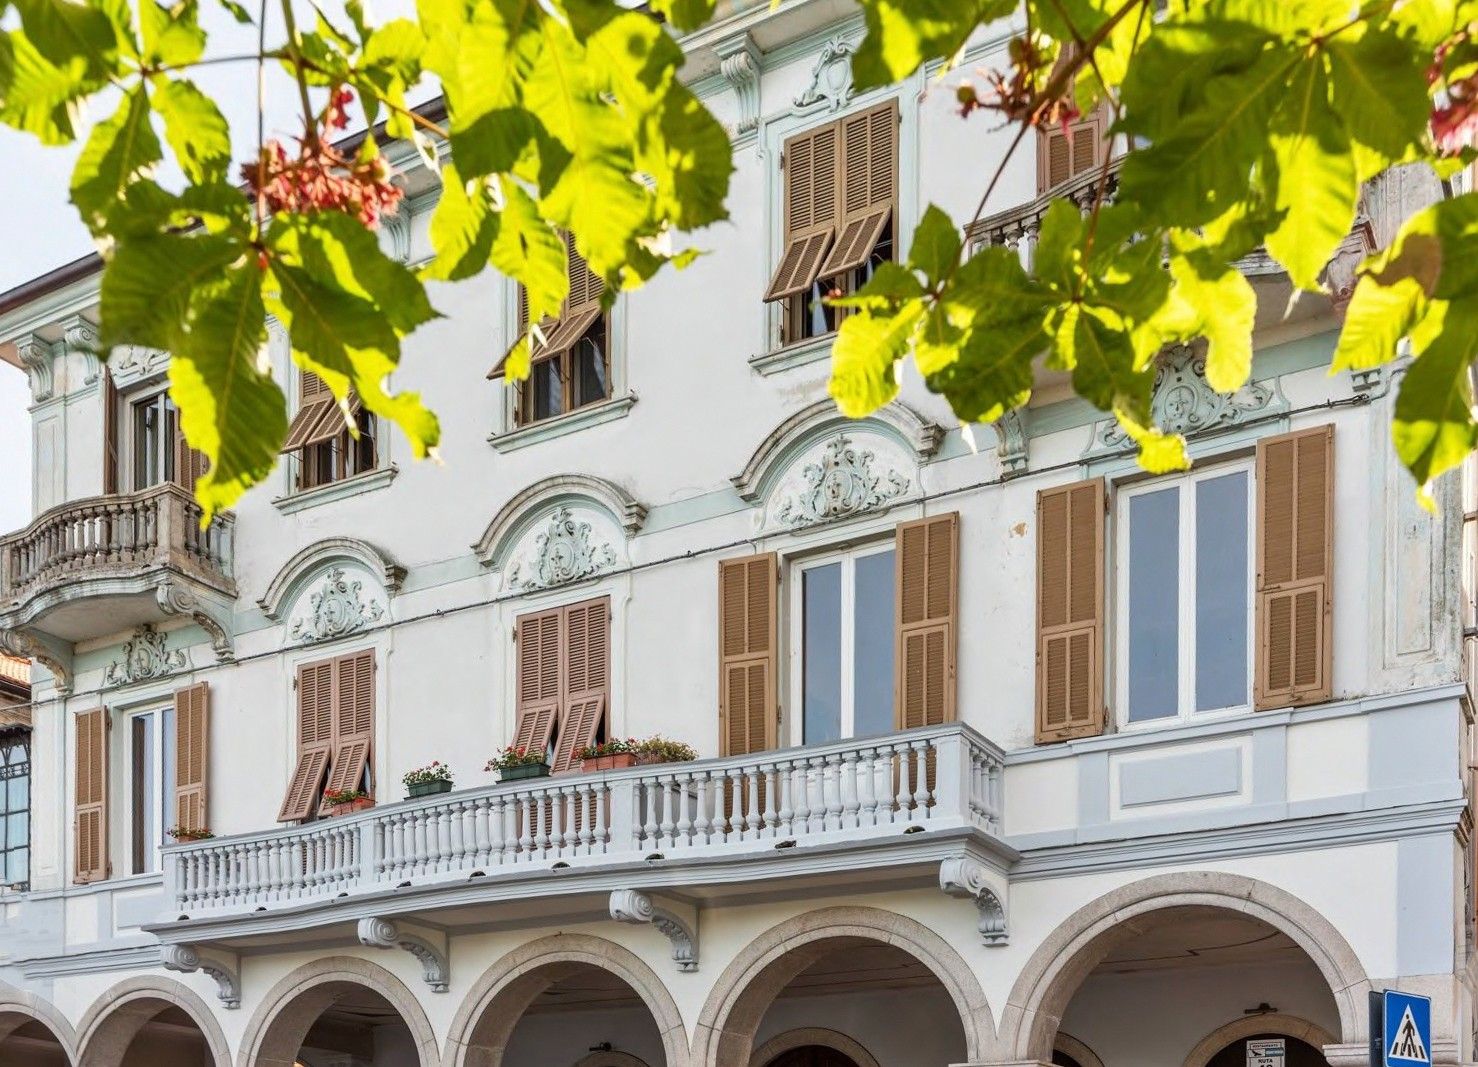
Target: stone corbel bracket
[(81, 337), (1011, 443), (634, 906), (187, 959), (175, 599), (38, 358), (23, 645), (739, 63), (383, 933), (968, 879)]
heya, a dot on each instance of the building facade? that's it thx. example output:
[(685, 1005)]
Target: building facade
[(1007, 753)]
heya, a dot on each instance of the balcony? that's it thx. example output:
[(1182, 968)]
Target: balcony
[(889, 808), (104, 564)]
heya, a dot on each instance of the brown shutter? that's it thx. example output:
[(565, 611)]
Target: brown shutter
[(192, 756), (315, 403), (315, 739), (587, 678), (869, 186), (1064, 154), (747, 654), (812, 162), (1070, 611), (110, 432), (189, 465), (579, 725), (539, 681), (927, 561), (579, 311), (90, 830), (1295, 552), (353, 719)]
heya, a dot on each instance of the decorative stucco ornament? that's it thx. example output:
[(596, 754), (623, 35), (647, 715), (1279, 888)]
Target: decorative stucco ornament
[(336, 608), (840, 484), (1185, 403), (831, 77), (565, 551), (146, 655)]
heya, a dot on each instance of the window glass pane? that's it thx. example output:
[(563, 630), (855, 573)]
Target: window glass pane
[(545, 390), (1221, 592), (166, 775), (872, 662), (1154, 576), (590, 365), (18, 866), (17, 829), (821, 652), (15, 793), (143, 789), (145, 444)]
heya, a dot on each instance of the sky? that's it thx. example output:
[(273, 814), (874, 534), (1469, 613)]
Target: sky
[(43, 229)]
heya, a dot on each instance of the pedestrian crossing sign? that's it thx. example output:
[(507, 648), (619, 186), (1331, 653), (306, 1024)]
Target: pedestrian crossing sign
[(1407, 1031)]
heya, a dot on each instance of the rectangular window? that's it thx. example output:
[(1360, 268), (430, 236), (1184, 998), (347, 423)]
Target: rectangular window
[(150, 782), (841, 216), (563, 680), (154, 427), (842, 643), (319, 438), (1184, 633), (15, 817)]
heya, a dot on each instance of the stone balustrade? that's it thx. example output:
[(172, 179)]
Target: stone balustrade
[(939, 777)]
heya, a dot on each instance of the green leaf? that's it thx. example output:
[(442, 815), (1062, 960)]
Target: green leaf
[(71, 36), (528, 250), (1224, 307), (936, 245), (684, 14), (991, 373), (902, 35), (118, 151), (37, 97), (172, 36), (1317, 185), (1433, 427), (230, 408), (148, 282), (1159, 452), (196, 130), (1377, 78), (462, 228), (1378, 317), (1097, 346), (864, 357)]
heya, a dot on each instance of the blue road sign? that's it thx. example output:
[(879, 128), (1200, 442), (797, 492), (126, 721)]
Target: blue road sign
[(1406, 1030)]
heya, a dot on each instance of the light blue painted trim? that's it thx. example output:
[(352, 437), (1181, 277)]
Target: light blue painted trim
[(800, 354), (1412, 746), (1444, 697), (579, 419), (359, 484), (1270, 765), (1093, 790), (133, 957), (693, 509), (1180, 776), (1304, 827), (1424, 928)]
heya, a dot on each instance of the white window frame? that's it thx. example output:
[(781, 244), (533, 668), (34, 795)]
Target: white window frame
[(793, 729), (1185, 591), (128, 445), (160, 754)]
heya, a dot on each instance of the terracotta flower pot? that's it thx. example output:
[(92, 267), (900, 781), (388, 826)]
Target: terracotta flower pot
[(608, 763), (351, 806)]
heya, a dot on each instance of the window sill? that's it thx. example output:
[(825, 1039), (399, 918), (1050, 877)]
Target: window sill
[(323, 494), (797, 354), (579, 419)]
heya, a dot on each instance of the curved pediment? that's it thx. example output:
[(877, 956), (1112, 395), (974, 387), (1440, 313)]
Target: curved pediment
[(333, 588)]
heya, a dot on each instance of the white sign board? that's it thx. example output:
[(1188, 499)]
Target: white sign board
[(1266, 1052)]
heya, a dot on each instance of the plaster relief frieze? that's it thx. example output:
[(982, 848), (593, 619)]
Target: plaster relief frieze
[(831, 78), (565, 550), (133, 363), (336, 608), (145, 656), (842, 481)]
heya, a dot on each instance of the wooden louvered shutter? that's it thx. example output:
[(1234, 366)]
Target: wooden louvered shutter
[(192, 756), (927, 561), (1064, 154), (315, 740), (90, 828), (748, 626), (812, 162), (1070, 611), (587, 679), (189, 465), (315, 403), (539, 680), (869, 170), (353, 719), (1295, 553), (110, 432)]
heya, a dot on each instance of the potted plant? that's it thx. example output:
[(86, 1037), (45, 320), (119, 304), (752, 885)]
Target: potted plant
[(608, 755), (663, 750), (515, 763), (435, 777), (344, 801), (189, 833)]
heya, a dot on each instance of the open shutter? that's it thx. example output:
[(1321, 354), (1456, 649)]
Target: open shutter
[(192, 756), (315, 739), (189, 465), (1070, 611), (1064, 154), (1295, 552), (354, 719), (747, 654), (812, 191), (110, 432), (539, 680), (927, 561), (315, 403), (579, 311), (869, 186), (90, 831), (587, 675)]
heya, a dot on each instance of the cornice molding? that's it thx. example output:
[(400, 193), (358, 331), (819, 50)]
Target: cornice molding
[(534, 502), (310, 560)]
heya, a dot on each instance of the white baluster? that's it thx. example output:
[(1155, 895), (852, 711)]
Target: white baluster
[(848, 785)]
